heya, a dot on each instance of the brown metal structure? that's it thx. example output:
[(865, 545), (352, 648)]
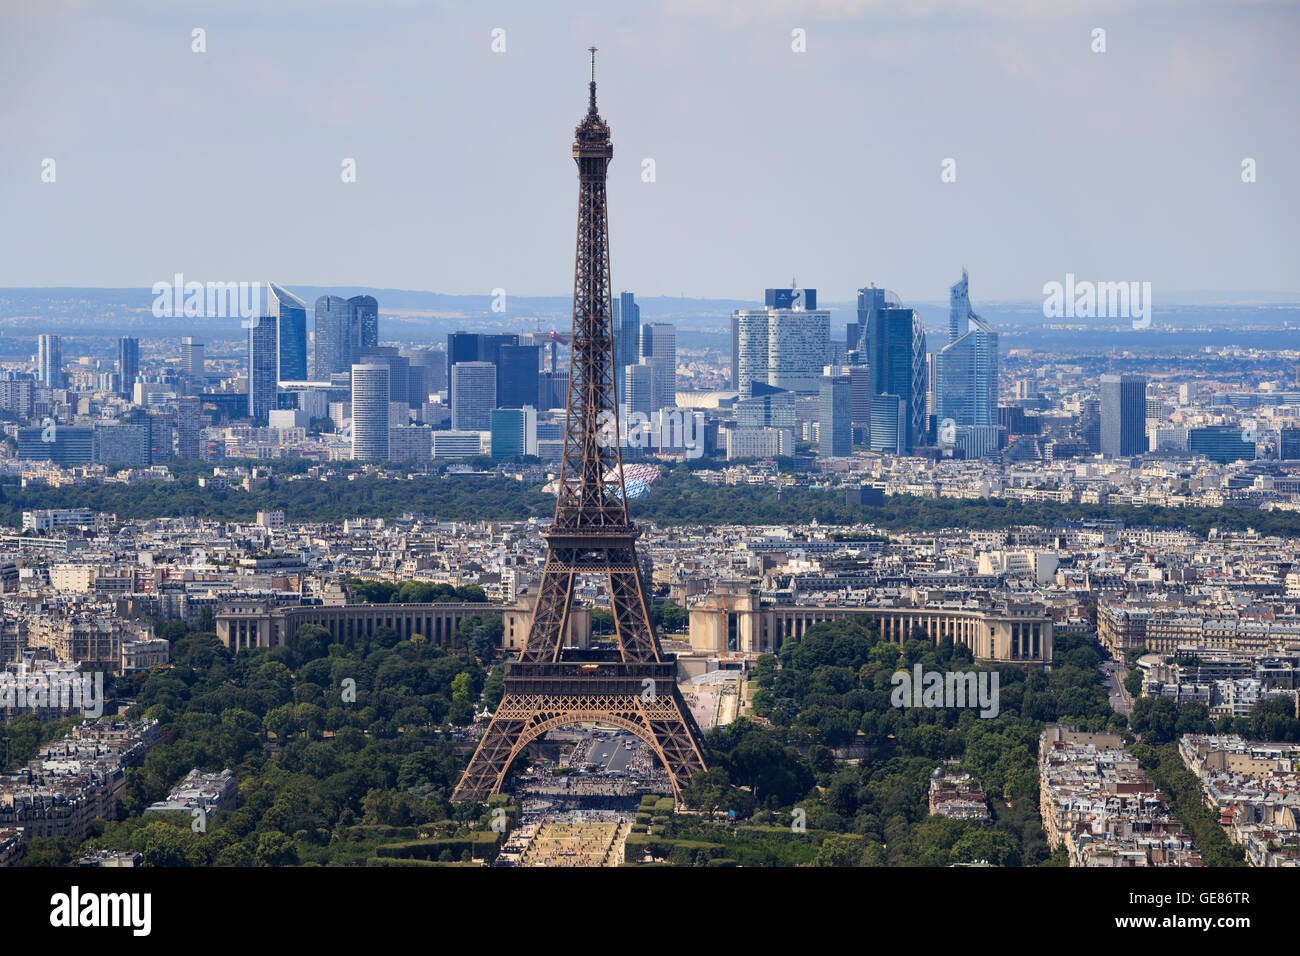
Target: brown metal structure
[(591, 535)]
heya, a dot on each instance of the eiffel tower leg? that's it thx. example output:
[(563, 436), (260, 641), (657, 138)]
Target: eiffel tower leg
[(492, 757), (551, 614), (627, 600), (669, 723)]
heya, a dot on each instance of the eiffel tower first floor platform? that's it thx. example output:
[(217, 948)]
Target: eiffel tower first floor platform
[(641, 698)]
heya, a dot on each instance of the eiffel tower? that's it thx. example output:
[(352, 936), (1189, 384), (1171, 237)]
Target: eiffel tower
[(549, 686)]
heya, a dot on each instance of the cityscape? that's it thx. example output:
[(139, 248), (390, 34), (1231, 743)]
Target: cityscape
[(365, 577)]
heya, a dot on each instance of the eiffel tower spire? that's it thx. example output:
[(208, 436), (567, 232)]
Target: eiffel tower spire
[(591, 535)]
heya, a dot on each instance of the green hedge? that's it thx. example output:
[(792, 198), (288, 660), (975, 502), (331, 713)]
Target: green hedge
[(482, 846)]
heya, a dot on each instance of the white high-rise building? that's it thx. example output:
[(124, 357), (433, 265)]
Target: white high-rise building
[(49, 360), (784, 345), (370, 411), (638, 394)]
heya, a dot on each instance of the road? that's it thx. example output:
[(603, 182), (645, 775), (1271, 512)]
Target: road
[(610, 755), (1112, 674)]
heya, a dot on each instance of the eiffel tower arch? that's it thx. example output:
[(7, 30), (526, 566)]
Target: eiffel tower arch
[(592, 535)]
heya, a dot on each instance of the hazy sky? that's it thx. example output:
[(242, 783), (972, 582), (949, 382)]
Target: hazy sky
[(769, 163)]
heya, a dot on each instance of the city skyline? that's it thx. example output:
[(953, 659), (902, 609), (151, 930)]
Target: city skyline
[(978, 599)]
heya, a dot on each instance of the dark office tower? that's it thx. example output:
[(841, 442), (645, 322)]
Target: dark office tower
[(1090, 424), (870, 299), (627, 335), (1288, 443), (517, 370), (967, 367), (1123, 415), (552, 390), (128, 364), (193, 363), (70, 445), (49, 361), (333, 337), (895, 346), (291, 329), (189, 426), (1220, 443), (365, 322), (835, 426), (417, 384), (860, 389), (262, 345)]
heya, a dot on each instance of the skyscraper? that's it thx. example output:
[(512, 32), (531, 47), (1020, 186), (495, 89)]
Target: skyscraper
[(333, 316), (128, 364), (291, 331), (49, 360), (480, 347), (751, 350), (365, 322), (638, 391), (1123, 415), (734, 380), (659, 345), (627, 335), (193, 362), (860, 386), (786, 344), (896, 369), (474, 395), (870, 300), (1288, 443), (370, 391), (966, 368), (517, 370), (262, 347), (189, 426), (345, 330), (835, 425)]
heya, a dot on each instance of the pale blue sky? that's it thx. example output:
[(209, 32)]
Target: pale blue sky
[(824, 165)]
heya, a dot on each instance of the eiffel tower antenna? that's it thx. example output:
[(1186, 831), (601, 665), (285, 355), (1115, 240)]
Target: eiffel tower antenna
[(550, 686)]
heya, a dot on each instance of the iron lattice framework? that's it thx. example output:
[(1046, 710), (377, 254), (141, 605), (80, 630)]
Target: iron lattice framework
[(591, 535)]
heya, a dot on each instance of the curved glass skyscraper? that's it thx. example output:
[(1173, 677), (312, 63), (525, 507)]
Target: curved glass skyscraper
[(967, 367), (291, 329)]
